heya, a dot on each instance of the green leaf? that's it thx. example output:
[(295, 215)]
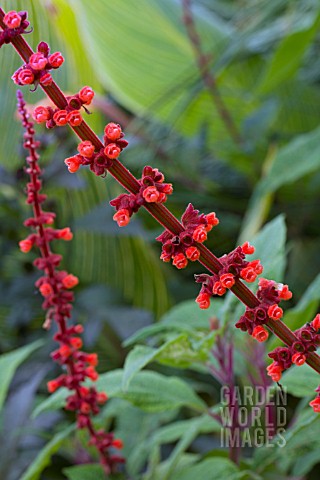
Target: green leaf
[(89, 472), (43, 459), (301, 381), (209, 469), (9, 362), (284, 63)]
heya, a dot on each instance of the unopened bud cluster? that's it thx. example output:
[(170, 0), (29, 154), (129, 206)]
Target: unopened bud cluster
[(16, 23)]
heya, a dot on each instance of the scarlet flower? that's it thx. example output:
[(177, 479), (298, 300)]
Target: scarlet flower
[(275, 312), (274, 371), (298, 359), (46, 289), (25, 76), (91, 373), (73, 163), (65, 351), (227, 280), (65, 234), (60, 118), (45, 79), (92, 359), (12, 19), (55, 60), (212, 221), (256, 265), (167, 188), (76, 342), (316, 322), (113, 131), (53, 385), (218, 289), (260, 333), (248, 274), (203, 300), (122, 217), (41, 114), (85, 408), (192, 253), (151, 194), (25, 245), (112, 151), (86, 95), (284, 292), (74, 118), (102, 398), (315, 404), (180, 261), (200, 234), (117, 443), (70, 281), (247, 248), (86, 149), (37, 61)]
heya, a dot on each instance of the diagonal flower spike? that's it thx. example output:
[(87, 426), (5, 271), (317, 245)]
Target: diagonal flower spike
[(159, 211), (55, 285)]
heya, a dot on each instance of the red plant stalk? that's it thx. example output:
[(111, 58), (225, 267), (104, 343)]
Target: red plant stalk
[(55, 287), (227, 270)]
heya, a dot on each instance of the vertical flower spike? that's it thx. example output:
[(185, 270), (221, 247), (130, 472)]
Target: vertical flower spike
[(54, 286)]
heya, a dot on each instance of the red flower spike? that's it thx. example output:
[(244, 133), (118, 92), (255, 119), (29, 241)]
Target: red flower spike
[(74, 118), (298, 359), (248, 274), (227, 280), (218, 289), (200, 234), (25, 245), (12, 19), (315, 404), (122, 217), (65, 234), (60, 117), (70, 281), (203, 300), (192, 254), (86, 149), (180, 261), (46, 289), (86, 95), (260, 333), (55, 60), (37, 61), (151, 195), (73, 163), (25, 77), (41, 114), (275, 312), (247, 248), (316, 322), (112, 151), (113, 131)]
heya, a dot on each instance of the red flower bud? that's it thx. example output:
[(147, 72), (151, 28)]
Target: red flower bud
[(117, 443), (85, 408), (86, 95), (112, 151), (180, 261), (298, 359), (151, 195), (86, 149), (113, 131), (25, 76), (53, 385), (37, 61), (60, 118), (45, 79), (203, 300), (275, 312), (70, 281), (91, 373), (65, 234), (167, 189), (76, 342), (227, 280), (65, 351), (102, 398), (315, 404), (41, 114), (74, 118), (12, 19), (92, 359), (260, 334), (247, 248), (193, 254), (56, 60), (200, 234), (218, 289), (122, 217), (73, 163), (25, 245), (46, 289)]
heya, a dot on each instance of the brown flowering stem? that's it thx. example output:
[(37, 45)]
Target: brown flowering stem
[(159, 211)]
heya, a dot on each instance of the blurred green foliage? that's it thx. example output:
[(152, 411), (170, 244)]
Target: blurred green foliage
[(138, 57)]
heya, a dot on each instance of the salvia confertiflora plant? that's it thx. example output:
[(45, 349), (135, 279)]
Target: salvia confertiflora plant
[(182, 241)]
